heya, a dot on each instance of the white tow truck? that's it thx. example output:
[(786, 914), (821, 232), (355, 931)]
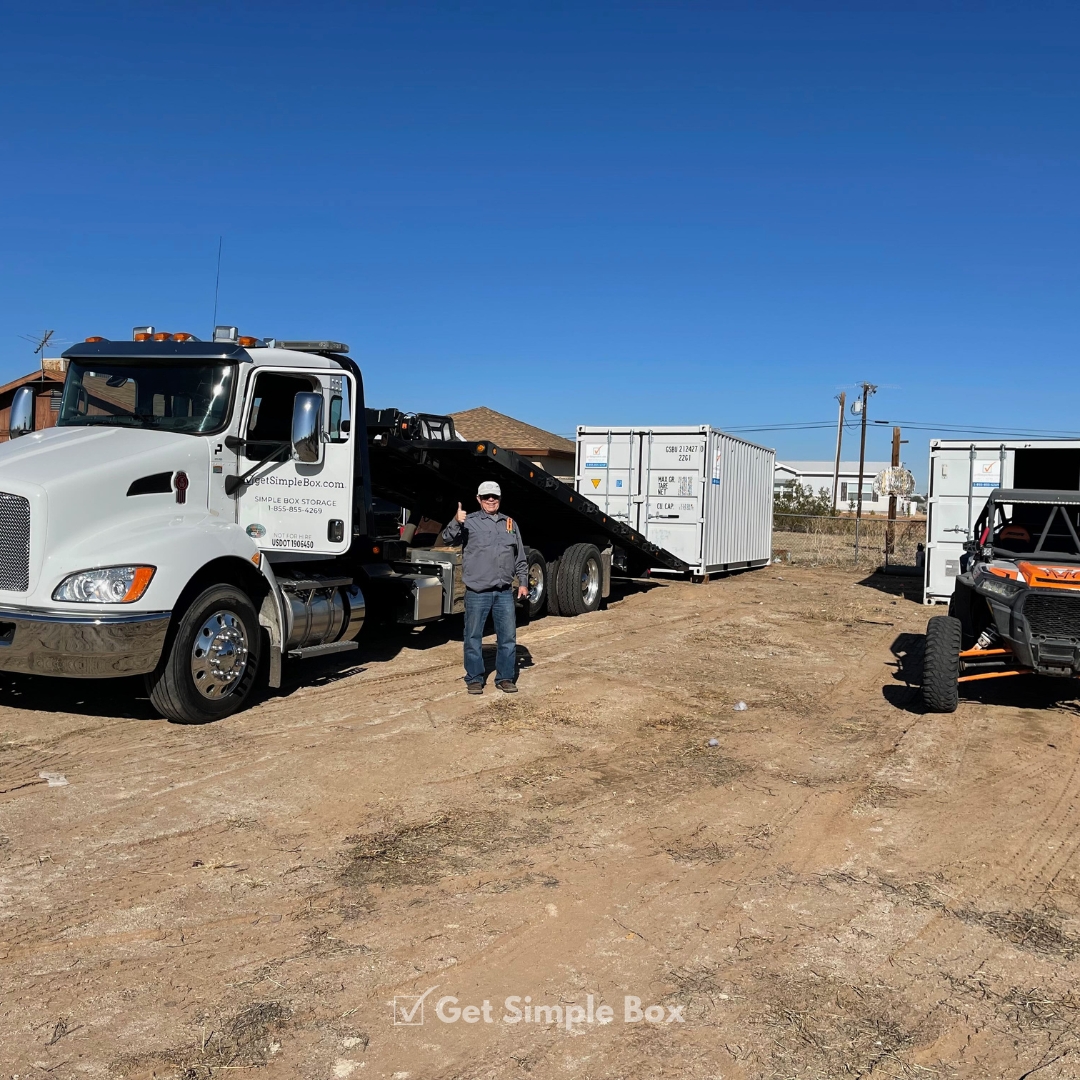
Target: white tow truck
[(203, 510)]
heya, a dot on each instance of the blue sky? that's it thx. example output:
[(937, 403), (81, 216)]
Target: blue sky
[(574, 212)]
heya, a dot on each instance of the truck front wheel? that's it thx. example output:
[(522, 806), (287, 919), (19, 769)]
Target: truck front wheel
[(209, 669)]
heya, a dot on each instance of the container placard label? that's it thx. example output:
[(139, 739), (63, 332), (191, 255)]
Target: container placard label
[(596, 455), (987, 474), (718, 463), (675, 484)]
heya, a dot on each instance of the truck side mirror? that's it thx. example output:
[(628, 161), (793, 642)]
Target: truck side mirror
[(307, 446), (21, 420)]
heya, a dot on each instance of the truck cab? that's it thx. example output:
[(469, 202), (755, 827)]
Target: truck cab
[(200, 509)]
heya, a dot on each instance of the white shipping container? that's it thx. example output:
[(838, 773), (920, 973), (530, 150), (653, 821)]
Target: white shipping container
[(705, 496), (962, 475)]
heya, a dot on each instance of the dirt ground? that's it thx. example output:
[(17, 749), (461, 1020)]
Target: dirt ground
[(826, 884)]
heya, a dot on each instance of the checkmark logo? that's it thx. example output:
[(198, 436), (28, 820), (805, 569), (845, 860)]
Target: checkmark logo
[(409, 1009)]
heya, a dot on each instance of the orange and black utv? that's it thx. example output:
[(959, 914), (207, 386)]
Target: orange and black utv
[(1016, 607)]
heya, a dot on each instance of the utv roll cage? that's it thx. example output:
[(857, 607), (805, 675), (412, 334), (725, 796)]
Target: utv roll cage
[(1034, 513)]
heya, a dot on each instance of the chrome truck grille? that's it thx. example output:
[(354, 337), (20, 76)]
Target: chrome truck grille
[(1055, 616), (14, 542)]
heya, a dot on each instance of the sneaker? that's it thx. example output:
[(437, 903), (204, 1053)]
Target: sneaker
[(507, 687), (475, 687)]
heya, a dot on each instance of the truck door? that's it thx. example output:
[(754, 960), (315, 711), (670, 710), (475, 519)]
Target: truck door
[(289, 505)]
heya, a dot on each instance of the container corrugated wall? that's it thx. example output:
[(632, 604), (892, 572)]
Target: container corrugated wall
[(703, 495), (739, 513)]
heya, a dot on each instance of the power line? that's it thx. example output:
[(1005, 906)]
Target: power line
[(918, 426)]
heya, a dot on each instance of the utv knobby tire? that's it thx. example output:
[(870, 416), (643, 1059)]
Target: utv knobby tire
[(581, 577), (172, 685), (941, 664), (537, 606)]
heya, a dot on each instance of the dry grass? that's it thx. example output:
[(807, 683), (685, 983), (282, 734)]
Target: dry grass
[(706, 762), (680, 723), (696, 850), (700, 987), (824, 1027), (1027, 1008), (243, 1040), (1039, 931), (507, 715), (426, 852), (845, 612), (878, 795), (545, 770)]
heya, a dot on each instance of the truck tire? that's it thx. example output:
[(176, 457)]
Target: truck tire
[(941, 664), (209, 668), (553, 587), (581, 576), (539, 585)]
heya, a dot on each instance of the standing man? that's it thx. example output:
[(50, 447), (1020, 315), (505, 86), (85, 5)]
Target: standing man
[(492, 555)]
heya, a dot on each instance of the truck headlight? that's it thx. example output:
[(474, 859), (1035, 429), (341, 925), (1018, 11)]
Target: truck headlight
[(1000, 587), (108, 585)]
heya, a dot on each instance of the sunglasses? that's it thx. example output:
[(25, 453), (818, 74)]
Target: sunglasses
[(489, 498)]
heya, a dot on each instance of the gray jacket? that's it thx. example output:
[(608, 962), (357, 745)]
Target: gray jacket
[(492, 553)]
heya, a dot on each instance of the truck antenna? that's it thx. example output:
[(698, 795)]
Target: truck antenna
[(217, 280)]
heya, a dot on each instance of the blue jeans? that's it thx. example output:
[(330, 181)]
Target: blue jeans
[(499, 604)]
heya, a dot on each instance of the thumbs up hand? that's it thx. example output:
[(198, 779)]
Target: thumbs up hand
[(460, 515)]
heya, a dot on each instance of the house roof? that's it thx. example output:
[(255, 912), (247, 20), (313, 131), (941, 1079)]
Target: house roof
[(511, 434), (33, 377)]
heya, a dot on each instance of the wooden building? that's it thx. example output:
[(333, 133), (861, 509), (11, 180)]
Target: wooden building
[(47, 383)]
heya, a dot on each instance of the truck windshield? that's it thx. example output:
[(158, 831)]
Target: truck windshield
[(187, 397)]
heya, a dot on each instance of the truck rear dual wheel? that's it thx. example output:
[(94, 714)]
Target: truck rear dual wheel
[(941, 664), (580, 579), (553, 587), (539, 584), (209, 668)]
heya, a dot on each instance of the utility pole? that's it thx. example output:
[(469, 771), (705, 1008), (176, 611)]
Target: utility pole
[(867, 390), (890, 529), (839, 438)]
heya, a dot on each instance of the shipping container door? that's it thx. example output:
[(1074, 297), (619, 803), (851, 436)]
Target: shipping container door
[(953, 476), (605, 473), (674, 466)]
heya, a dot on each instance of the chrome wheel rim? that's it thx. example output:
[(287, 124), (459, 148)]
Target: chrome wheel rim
[(219, 655), (536, 583), (590, 582)]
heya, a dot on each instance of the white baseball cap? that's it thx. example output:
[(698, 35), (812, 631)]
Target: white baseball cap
[(489, 487)]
